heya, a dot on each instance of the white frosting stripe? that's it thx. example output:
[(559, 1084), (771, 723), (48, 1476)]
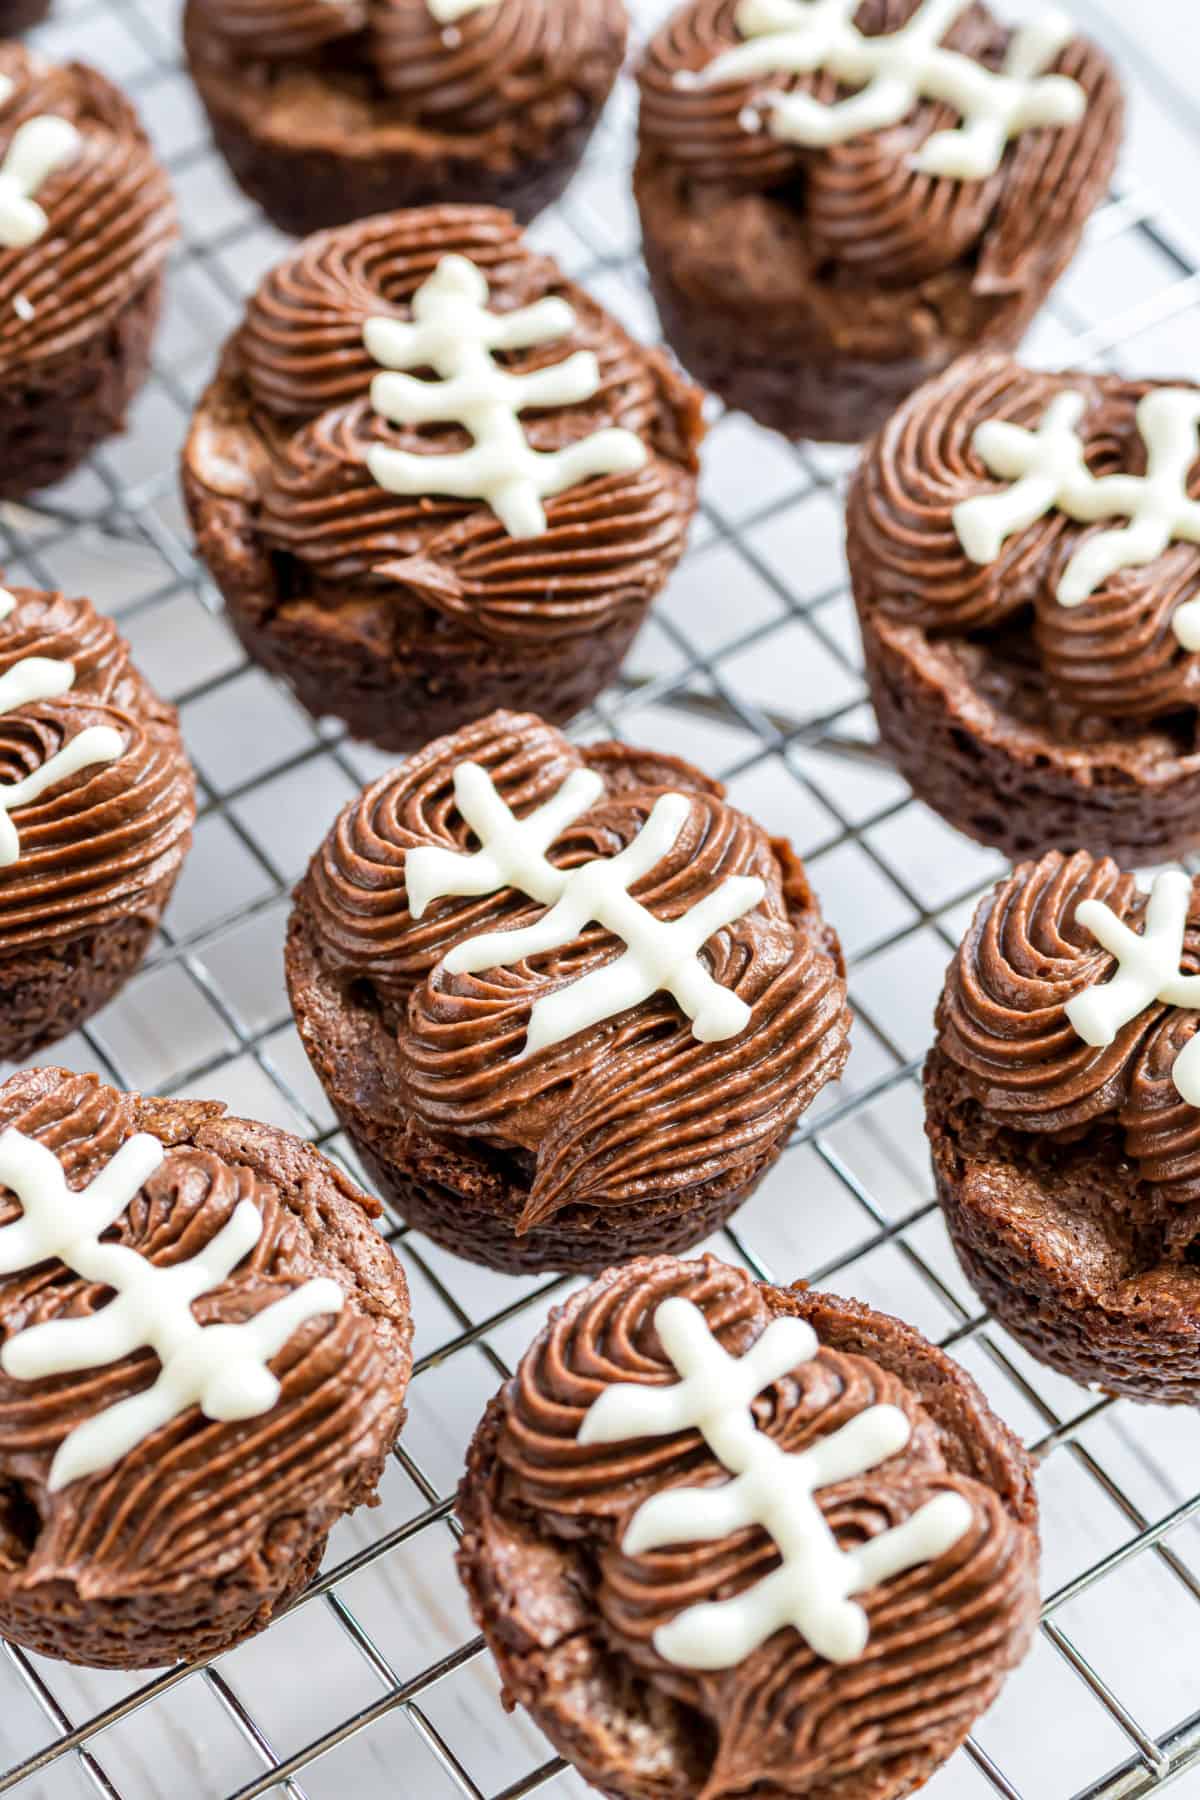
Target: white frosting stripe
[(39, 148), (454, 334), (32, 679), (1049, 471), (447, 11), (812, 1587), (1147, 970), (661, 956), (893, 72), (222, 1369)]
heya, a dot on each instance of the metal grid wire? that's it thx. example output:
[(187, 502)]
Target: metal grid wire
[(376, 1683)]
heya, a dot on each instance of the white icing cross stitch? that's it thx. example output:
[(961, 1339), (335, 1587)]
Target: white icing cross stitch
[(893, 72), (660, 956), (811, 1588), (222, 1369), (453, 333), (1049, 471), (39, 147), (44, 678), (1147, 970), (447, 11)]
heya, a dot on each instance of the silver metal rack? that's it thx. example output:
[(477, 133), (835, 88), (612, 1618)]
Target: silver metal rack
[(376, 1682)]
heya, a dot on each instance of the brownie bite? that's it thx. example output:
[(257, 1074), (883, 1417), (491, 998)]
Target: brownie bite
[(1063, 1111), (320, 482), (330, 110), (639, 1601), (84, 236), (1031, 657), (175, 1447), (97, 800), (606, 1075), (820, 246)]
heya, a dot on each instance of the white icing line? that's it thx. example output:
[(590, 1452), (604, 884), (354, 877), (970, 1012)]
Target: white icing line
[(32, 679), (222, 1369), (810, 1590), (893, 72), (1147, 970), (1049, 472), (447, 11), (454, 333), (39, 147), (660, 957)]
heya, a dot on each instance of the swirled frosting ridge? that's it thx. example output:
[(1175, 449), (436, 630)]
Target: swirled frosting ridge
[(1002, 1023), (99, 843)]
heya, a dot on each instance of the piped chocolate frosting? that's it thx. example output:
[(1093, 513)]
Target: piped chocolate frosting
[(191, 1539), (299, 450), (862, 208), (1113, 656), (96, 845), (633, 1107)]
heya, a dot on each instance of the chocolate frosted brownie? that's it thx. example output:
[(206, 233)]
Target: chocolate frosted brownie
[(1025, 603), (682, 1635), (97, 801), (319, 475), (564, 1093), (206, 1346), (821, 242), (1063, 1108), (84, 234), (329, 110)]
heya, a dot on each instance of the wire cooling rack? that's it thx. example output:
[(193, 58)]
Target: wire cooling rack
[(376, 1683)]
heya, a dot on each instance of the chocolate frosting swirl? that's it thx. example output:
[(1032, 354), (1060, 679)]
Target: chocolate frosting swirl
[(100, 843), (634, 1107), (301, 449), (1116, 655), (1001, 1022), (783, 1717), (198, 1500), (861, 206), (110, 211), (487, 74)]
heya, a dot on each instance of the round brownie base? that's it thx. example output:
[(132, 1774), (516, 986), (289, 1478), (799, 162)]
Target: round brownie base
[(1045, 1236), (819, 394), (530, 1594), (428, 681), (20, 15), (304, 188), (54, 413), (469, 1197), (53, 990), (466, 1205), (1004, 780), (397, 673)]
